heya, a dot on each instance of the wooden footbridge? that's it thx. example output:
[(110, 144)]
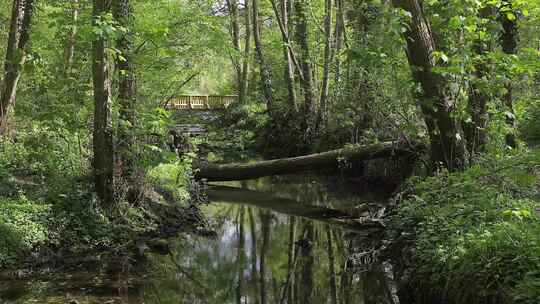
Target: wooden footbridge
[(201, 102)]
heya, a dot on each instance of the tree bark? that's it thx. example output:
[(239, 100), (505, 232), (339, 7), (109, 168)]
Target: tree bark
[(478, 97), (70, 48), (235, 32), (338, 36), (509, 42), (103, 130), (330, 159), (19, 35), (123, 13), (266, 77), (327, 61), (447, 143), (244, 82), (287, 55), (302, 38)]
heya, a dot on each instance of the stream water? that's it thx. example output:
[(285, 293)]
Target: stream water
[(251, 260)]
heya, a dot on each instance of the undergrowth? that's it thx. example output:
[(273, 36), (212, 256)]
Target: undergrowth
[(471, 237)]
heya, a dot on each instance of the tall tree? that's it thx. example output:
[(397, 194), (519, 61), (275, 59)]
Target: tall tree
[(447, 143), (509, 42), (103, 129), (244, 81), (308, 85), (327, 60), (123, 14), (19, 36), (266, 77), (476, 132), (232, 6), (72, 36)]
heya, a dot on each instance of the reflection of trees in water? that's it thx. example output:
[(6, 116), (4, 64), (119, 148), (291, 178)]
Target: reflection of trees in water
[(263, 257)]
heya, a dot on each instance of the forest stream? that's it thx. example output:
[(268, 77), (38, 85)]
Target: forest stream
[(254, 221)]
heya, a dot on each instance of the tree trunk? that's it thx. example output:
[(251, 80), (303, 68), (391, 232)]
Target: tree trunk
[(287, 55), (339, 34), (123, 13), (235, 32), (302, 37), (331, 266), (244, 82), (103, 130), (330, 159), (70, 48), (265, 222), (19, 35), (266, 77), (447, 144), (478, 97), (241, 259), (327, 61), (509, 42)]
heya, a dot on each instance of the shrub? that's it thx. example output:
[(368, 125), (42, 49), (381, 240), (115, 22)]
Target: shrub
[(471, 237), (23, 226)]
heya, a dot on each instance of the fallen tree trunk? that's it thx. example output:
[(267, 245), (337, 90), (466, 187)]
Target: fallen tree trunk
[(231, 172)]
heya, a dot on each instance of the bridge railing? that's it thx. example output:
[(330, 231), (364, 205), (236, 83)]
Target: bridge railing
[(201, 102)]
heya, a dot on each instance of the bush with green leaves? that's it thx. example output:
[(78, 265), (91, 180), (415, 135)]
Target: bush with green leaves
[(471, 237), (23, 227)]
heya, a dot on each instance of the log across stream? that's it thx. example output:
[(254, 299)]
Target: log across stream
[(319, 161)]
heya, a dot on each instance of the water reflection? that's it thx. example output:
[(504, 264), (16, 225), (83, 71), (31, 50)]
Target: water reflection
[(264, 253)]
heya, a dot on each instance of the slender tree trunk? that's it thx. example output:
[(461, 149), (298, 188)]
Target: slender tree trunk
[(327, 61), (302, 37), (123, 13), (265, 222), (103, 130), (70, 48), (478, 97), (253, 228), (19, 35), (241, 259), (509, 42), (289, 64), (235, 31), (266, 77), (244, 82), (338, 36), (447, 144), (331, 266)]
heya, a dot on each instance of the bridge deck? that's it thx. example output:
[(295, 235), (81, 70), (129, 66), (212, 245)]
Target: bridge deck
[(201, 102)]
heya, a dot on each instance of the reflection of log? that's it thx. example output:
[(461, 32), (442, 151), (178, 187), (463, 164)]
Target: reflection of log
[(293, 165), (224, 194)]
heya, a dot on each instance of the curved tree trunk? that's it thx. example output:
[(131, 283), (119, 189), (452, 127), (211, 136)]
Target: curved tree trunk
[(447, 143)]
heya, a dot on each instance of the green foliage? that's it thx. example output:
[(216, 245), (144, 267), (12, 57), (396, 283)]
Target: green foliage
[(23, 227), (472, 237), (529, 123)]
